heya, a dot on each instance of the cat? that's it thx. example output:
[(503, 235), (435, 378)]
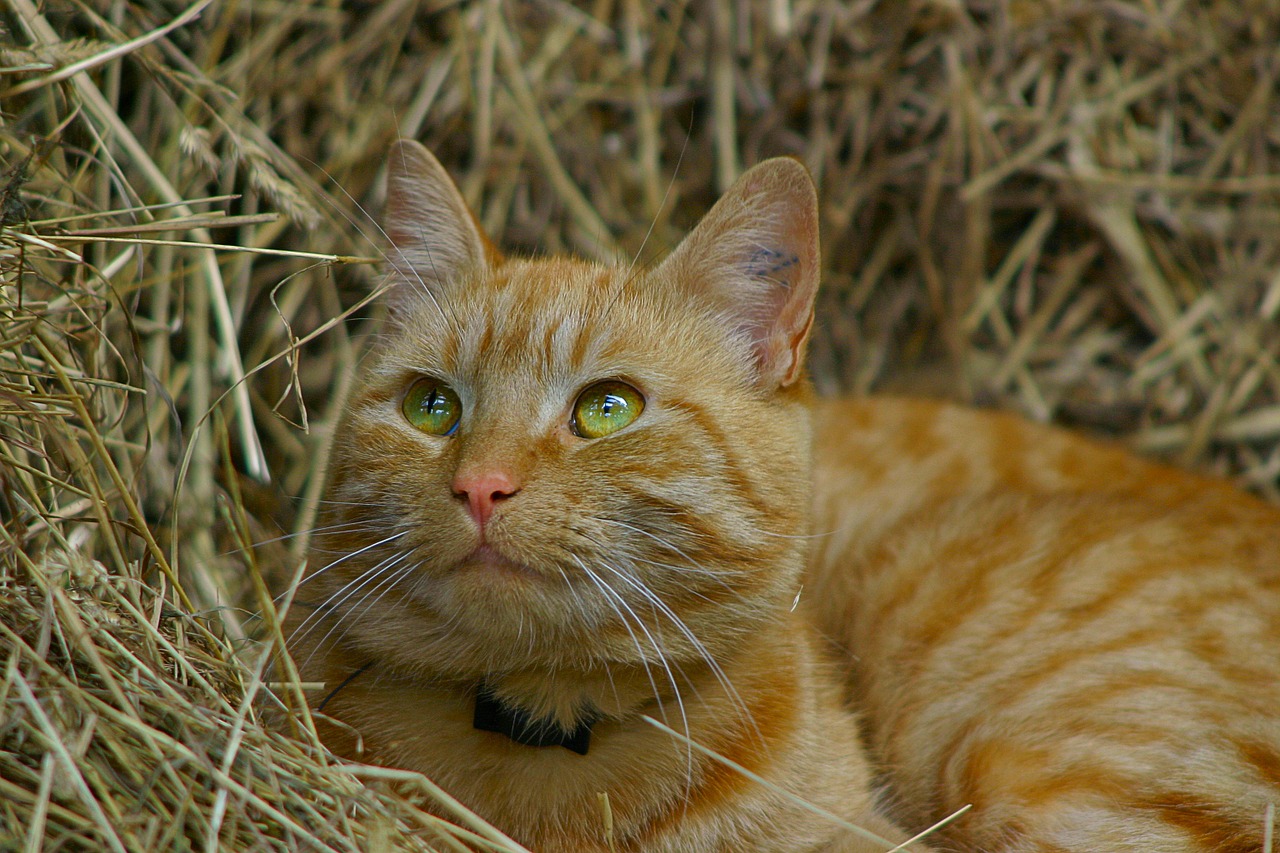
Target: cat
[(621, 500), (1082, 645), (567, 499)]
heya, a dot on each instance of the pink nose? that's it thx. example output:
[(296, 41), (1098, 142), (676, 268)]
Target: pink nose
[(482, 490)]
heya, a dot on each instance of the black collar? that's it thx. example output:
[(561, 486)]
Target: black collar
[(493, 716)]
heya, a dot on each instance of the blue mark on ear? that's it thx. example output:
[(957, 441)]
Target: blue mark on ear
[(768, 263)]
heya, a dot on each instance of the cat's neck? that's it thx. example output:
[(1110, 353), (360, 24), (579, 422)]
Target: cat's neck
[(746, 709), (625, 692), (565, 695)]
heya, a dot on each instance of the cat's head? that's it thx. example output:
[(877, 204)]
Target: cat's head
[(557, 463)]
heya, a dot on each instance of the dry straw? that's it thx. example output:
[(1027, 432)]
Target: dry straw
[(1071, 208)]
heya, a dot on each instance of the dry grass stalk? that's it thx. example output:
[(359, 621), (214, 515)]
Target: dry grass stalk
[(1066, 207)]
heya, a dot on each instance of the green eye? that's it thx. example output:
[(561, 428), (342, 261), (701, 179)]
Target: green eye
[(432, 407), (605, 408)]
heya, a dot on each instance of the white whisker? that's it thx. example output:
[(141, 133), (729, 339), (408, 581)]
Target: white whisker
[(337, 598), (716, 670), (332, 528), (346, 556), (612, 595), (664, 543), (385, 585)]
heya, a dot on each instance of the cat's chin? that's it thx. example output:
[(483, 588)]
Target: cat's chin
[(486, 560)]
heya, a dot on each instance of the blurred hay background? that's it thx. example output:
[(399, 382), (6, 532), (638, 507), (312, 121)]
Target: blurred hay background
[(1062, 206)]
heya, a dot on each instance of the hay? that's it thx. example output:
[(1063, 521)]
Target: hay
[(1070, 208)]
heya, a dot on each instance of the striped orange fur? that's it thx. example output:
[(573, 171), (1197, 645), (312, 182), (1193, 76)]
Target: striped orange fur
[(1082, 645), (577, 578)]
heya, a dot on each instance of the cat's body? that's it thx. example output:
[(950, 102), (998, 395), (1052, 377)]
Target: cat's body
[(582, 495), (1083, 645)]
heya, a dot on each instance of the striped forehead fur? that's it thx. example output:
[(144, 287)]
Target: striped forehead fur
[(560, 318)]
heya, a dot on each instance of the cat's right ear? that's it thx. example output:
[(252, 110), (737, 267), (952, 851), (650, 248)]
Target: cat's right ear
[(434, 237)]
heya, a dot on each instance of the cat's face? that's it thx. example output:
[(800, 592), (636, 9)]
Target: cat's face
[(557, 463)]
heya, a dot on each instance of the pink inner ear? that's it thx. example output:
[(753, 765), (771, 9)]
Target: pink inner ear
[(755, 254), (782, 316), (785, 269), (789, 355)]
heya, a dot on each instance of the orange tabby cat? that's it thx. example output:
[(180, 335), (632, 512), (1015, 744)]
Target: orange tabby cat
[(567, 497), (1083, 645)]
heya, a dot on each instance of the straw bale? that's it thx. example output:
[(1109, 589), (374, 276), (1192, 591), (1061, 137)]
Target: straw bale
[(1062, 206)]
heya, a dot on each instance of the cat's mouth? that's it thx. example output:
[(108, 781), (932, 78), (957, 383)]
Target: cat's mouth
[(486, 559)]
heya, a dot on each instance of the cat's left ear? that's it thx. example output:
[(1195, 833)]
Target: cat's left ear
[(755, 255), (434, 237)]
